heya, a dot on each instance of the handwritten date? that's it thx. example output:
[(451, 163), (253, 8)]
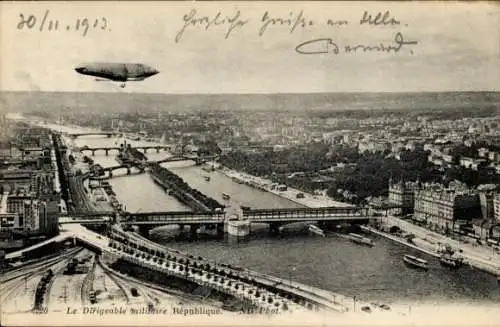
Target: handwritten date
[(47, 23)]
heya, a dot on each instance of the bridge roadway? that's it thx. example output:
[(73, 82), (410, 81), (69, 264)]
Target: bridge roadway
[(304, 294), (106, 150), (108, 134), (282, 215), (73, 220), (174, 217), (305, 214), (239, 282)]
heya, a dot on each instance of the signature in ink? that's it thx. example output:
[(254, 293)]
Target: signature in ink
[(190, 19), (327, 45)]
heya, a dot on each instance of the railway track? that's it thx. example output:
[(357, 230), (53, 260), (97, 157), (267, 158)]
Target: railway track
[(157, 293), (65, 287), (38, 264), (127, 289), (88, 282), (111, 287), (18, 294), (126, 285)]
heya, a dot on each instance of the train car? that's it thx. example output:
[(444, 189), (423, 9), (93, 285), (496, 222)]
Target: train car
[(92, 297), (70, 268)]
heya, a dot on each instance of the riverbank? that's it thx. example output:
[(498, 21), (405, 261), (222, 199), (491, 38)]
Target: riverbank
[(308, 200), (480, 257), (425, 240), (429, 243)]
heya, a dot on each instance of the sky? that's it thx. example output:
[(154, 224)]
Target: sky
[(458, 47)]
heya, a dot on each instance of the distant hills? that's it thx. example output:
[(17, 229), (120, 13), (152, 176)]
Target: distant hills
[(131, 102)]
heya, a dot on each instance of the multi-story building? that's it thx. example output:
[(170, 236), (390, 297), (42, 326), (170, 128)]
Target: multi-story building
[(487, 206), (496, 207), (442, 209), (30, 214), (35, 215), (15, 202), (9, 221), (402, 195)]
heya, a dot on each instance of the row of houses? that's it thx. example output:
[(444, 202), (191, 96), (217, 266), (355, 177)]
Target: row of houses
[(449, 209)]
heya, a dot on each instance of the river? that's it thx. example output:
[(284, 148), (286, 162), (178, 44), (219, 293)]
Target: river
[(331, 263)]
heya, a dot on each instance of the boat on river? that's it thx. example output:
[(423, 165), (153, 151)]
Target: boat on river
[(415, 262), (207, 178), (451, 261), (316, 230), (359, 239), (226, 196)]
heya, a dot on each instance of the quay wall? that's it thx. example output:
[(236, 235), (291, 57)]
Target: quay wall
[(424, 247)]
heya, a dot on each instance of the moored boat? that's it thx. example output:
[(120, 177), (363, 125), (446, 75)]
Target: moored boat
[(415, 262), (451, 261), (358, 239), (226, 196), (316, 230), (207, 178)]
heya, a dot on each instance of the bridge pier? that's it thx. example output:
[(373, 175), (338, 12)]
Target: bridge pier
[(274, 228), (157, 149), (144, 230), (145, 150), (128, 170), (107, 151), (325, 225), (220, 229), (193, 228), (110, 174), (93, 153)]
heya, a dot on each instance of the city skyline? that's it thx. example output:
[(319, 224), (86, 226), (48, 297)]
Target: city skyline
[(452, 53)]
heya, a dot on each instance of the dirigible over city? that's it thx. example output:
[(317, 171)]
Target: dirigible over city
[(117, 72)]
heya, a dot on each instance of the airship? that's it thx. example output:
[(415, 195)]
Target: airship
[(117, 72)]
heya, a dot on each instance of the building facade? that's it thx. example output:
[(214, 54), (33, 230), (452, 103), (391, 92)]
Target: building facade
[(487, 205), (402, 195), (496, 207), (9, 221), (442, 209)]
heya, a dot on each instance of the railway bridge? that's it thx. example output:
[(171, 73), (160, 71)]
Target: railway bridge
[(199, 160), (108, 134), (149, 220), (108, 172), (324, 216), (108, 149), (274, 217)]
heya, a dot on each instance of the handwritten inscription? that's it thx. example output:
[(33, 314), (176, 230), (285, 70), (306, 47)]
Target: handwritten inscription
[(229, 22), (327, 45), (379, 19), (47, 23), (291, 22)]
